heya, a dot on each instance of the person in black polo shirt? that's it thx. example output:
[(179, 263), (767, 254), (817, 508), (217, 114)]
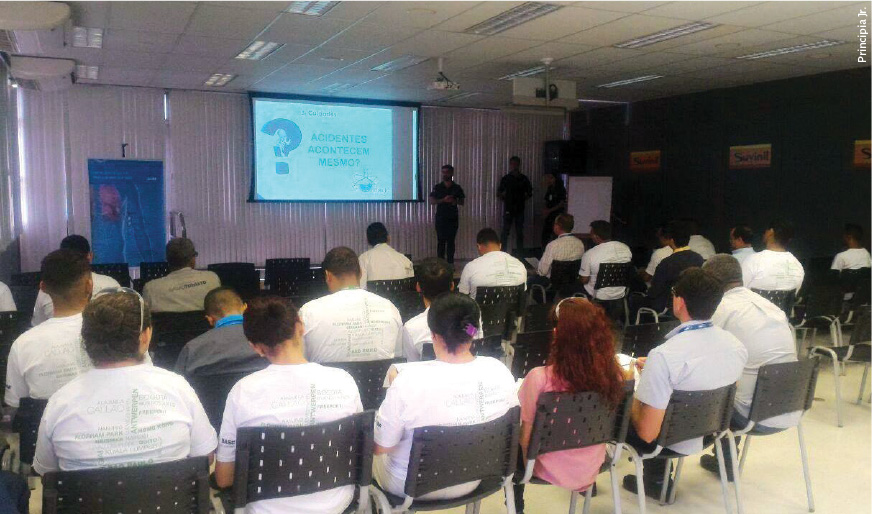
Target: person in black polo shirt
[(447, 195), (514, 190)]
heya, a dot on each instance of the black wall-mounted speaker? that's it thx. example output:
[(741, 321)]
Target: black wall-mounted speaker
[(565, 157)]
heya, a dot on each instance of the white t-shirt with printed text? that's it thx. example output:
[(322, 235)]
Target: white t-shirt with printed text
[(290, 396), (772, 271), (492, 269), (381, 262), (604, 253), (118, 417)]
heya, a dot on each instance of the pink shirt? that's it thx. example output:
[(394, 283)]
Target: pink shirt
[(575, 470)]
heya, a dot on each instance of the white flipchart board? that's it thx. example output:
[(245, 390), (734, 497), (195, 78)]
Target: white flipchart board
[(589, 199)]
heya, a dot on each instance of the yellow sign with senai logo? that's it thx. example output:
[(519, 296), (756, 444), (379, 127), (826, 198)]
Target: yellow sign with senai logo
[(750, 156), (862, 153)]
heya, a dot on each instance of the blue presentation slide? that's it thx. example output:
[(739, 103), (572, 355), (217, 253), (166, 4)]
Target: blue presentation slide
[(315, 151)]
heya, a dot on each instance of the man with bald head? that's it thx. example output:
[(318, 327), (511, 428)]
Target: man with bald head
[(224, 349)]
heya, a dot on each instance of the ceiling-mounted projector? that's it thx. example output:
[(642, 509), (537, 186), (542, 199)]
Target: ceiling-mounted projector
[(442, 82)]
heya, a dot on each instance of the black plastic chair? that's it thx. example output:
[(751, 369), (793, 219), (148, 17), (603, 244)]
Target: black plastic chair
[(26, 425), (857, 283), (120, 271), (427, 352), (27, 279), (564, 276), (641, 339), (857, 350), (537, 317), (822, 308), (568, 421), (500, 305), (401, 293), (531, 351), (149, 271), (443, 456), (243, 277), (615, 274), (278, 269), (25, 298), (370, 378), (12, 325), (783, 388), (305, 283), (212, 391), (491, 346), (178, 487), (283, 462), (783, 299), (690, 415), (172, 331)]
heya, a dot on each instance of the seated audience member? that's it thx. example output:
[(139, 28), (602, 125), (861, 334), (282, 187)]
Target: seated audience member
[(42, 309), (349, 324), (7, 303), (741, 239), (290, 392), (581, 359), (494, 267), (434, 277), (381, 262), (457, 388), (774, 269), (855, 257), (46, 357), (566, 247), (184, 289), (671, 267), (606, 251), (124, 412), (764, 330), (697, 242), (696, 356), (224, 349), (658, 255)]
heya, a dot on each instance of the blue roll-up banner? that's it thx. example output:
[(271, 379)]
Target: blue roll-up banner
[(128, 223)]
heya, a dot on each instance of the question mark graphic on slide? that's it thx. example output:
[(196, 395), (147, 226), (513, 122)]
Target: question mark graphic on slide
[(288, 138)]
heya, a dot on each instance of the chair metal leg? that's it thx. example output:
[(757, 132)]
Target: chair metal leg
[(573, 502), (476, 508), (734, 458), (745, 446), (837, 380), (470, 508), (667, 472), (613, 476), (863, 383), (509, 491), (675, 480), (805, 471), (723, 472), (626, 311), (640, 483)]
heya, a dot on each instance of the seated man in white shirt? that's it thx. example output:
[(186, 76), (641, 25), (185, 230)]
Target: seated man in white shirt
[(349, 324), (457, 388), (48, 356), (493, 268), (657, 255), (696, 356), (291, 392), (741, 241), (184, 288), (763, 329), (855, 257), (774, 269), (566, 247), (605, 251), (381, 262), (698, 243), (42, 309), (124, 412), (7, 302), (433, 277)]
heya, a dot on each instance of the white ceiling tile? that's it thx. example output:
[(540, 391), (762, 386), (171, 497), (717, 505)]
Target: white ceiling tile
[(417, 14), (89, 14), (478, 13), (166, 17), (433, 43), (628, 7), (703, 35), (306, 30), (352, 11), (125, 76), (129, 40), (843, 15), (180, 79), (89, 56), (486, 50), (209, 46), (683, 66), (275, 7), (734, 44), (369, 37), (219, 21), (332, 58), (560, 23), (696, 10), (766, 13), (848, 33), (277, 59), (551, 49), (305, 72), (184, 62), (623, 29), (127, 59), (598, 57)]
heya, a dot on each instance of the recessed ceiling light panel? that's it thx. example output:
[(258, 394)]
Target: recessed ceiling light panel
[(87, 72), (459, 96), (664, 35), (512, 18), (529, 72), (84, 37), (219, 79), (259, 50), (791, 49), (631, 81), (311, 8), (400, 63)]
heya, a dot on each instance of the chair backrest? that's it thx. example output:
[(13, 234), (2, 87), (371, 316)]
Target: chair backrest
[(12, 325), (308, 282), (243, 277), (783, 299), (401, 293), (370, 378), (531, 350), (538, 317), (862, 332), (427, 352), (26, 425), (276, 268), (30, 278), (564, 273), (282, 462), (25, 298), (120, 271), (212, 391), (641, 339), (172, 331), (177, 487), (490, 346), (444, 456), (857, 282), (566, 421), (152, 270), (824, 298), (692, 414), (783, 388), (614, 274), (499, 306), (387, 287)]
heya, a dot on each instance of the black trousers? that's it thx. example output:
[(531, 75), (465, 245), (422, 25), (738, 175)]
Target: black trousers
[(446, 233), (516, 219), (654, 468)]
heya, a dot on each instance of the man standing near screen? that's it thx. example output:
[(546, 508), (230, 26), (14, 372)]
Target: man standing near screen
[(447, 195), (515, 188)]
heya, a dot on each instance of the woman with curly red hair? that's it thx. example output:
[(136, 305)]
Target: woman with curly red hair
[(582, 358)]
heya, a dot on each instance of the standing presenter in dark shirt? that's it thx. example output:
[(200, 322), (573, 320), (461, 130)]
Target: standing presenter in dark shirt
[(515, 188), (447, 195)]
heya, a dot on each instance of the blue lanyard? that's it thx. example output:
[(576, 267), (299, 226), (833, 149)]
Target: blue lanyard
[(226, 321), (698, 326)]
